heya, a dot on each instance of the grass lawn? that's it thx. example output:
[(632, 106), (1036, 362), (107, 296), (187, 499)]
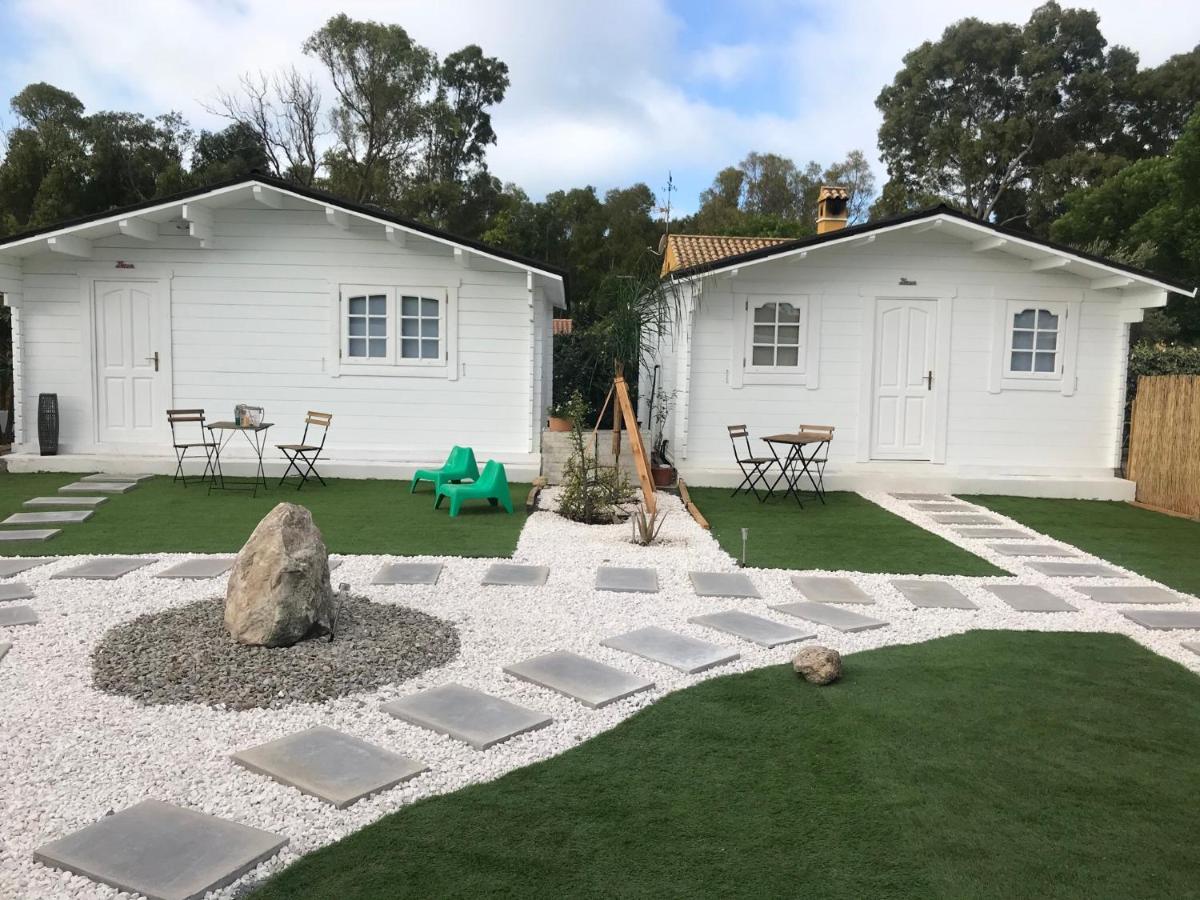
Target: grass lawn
[(849, 532), (985, 765), (355, 516), (1158, 546)]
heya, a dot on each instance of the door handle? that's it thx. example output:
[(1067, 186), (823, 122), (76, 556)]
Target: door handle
[(928, 378), (153, 359)]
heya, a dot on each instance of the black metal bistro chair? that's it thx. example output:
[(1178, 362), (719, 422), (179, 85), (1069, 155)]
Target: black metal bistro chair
[(302, 457), (179, 420), (754, 468), (814, 463)]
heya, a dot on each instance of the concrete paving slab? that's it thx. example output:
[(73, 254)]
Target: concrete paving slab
[(334, 562), (830, 589), (592, 683), (995, 534), (520, 576), (1031, 550), (756, 629), (105, 568), (965, 519), (5, 646), (467, 715), (723, 584), (1030, 598), (201, 567), (107, 478), (626, 580), (1075, 570), (17, 615), (98, 487), (944, 498), (1194, 646), (833, 616), (1164, 619), (329, 765), (1140, 593), (29, 534), (52, 517), (408, 573), (932, 594), (15, 591), (953, 507), (17, 564), (687, 654), (54, 502), (162, 851)]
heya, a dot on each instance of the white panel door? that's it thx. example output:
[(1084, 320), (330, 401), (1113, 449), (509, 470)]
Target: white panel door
[(905, 350), (132, 388)]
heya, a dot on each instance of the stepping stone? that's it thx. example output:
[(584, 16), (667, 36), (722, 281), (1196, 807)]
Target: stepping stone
[(1029, 598), (329, 765), (162, 851), (633, 581), (932, 594), (15, 591), (592, 683), (201, 567), (1194, 646), (4, 648), (1164, 619), (98, 487), (467, 715), (825, 589), (17, 565), (521, 576), (1075, 570), (105, 567), (408, 573), (102, 478), (687, 654), (17, 615), (1030, 550), (334, 562), (756, 629), (55, 517), (944, 507), (723, 584), (964, 519), (945, 498), (29, 534), (1131, 594), (833, 616), (995, 534), (65, 501)]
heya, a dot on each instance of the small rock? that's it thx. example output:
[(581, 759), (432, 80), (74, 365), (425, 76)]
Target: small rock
[(818, 665)]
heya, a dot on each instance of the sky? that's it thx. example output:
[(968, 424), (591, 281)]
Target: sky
[(603, 93)]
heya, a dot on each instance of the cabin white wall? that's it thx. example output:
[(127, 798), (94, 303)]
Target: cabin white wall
[(252, 318), (1020, 432)]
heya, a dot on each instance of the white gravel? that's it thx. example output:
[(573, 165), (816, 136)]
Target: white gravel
[(69, 754)]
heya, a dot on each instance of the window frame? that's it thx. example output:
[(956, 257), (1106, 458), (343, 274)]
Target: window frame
[(757, 303), (393, 363), (1067, 305), (351, 292), (1061, 313), (743, 372)]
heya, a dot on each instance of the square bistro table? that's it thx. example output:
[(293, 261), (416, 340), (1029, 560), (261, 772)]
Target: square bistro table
[(256, 437), (799, 462)]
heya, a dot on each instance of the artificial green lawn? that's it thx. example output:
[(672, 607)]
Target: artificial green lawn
[(985, 765), (1164, 548), (849, 532), (355, 516)]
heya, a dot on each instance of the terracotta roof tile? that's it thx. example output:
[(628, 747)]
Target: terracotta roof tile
[(683, 251)]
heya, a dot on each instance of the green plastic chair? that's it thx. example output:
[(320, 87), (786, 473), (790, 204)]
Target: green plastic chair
[(492, 486), (460, 466)]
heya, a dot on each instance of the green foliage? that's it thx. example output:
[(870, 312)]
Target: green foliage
[(590, 491), (1148, 358)]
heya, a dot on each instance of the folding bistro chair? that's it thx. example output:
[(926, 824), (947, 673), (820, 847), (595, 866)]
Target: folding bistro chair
[(817, 459), (182, 418), (754, 468), (306, 454)]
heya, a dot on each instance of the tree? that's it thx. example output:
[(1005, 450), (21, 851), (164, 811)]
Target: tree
[(283, 113), (228, 153)]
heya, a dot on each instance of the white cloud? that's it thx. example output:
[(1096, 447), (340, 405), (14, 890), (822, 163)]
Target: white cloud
[(597, 96)]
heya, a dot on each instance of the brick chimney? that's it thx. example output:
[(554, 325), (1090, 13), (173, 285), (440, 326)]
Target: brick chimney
[(832, 208)]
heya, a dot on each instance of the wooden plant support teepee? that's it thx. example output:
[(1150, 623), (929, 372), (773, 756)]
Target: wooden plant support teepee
[(622, 412)]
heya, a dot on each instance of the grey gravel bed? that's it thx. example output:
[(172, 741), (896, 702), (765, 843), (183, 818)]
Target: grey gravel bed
[(185, 655)]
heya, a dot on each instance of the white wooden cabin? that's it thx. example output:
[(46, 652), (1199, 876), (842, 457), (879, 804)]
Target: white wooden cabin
[(257, 291), (949, 355)]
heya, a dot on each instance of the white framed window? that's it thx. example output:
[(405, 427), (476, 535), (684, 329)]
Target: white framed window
[(392, 330), (1034, 341), (775, 339), (1034, 344), (773, 336)]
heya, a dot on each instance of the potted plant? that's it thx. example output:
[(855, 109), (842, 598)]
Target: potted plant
[(559, 418)]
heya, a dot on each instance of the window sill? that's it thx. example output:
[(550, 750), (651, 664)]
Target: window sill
[(388, 370), (1009, 383), (762, 377)]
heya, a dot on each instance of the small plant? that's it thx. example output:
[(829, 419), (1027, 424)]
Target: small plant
[(661, 405), (590, 491), (646, 527)]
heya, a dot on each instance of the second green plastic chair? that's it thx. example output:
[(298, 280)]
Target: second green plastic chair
[(460, 466), (492, 486)]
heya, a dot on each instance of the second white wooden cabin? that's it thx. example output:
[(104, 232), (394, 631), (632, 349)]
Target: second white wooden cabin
[(260, 292), (948, 354)]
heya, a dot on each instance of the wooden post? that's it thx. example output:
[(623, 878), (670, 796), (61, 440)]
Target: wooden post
[(635, 442)]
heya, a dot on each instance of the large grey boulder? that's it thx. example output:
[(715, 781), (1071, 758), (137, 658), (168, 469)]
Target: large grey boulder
[(279, 589), (818, 665)]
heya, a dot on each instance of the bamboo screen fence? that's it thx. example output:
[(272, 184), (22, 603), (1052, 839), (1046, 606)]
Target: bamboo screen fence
[(1164, 443)]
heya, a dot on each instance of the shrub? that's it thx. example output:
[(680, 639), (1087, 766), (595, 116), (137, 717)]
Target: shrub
[(590, 491)]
